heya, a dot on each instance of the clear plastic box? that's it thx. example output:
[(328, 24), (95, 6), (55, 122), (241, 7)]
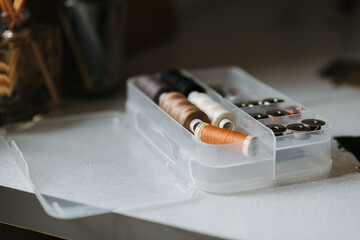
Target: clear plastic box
[(93, 163), (214, 168)]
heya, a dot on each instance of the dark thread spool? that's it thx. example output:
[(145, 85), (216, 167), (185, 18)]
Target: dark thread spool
[(180, 82), (179, 108), (153, 87)]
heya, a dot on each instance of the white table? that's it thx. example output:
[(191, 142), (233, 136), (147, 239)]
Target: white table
[(287, 57)]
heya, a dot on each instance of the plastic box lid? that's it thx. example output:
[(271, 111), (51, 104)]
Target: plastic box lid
[(90, 164)]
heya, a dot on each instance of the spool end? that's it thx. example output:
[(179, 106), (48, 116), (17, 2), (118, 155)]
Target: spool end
[(227, 124), (192, 94), (251, 146), (194, 123), (162, 95)]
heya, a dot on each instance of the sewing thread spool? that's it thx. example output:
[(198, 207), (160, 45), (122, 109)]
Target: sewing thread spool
[(314, 124), (277, 129), (153, 87), (299, 131), (180, 82), (268, 101), (219, 116), (219, 136), (183, 111), (258, 116), (275, 114)]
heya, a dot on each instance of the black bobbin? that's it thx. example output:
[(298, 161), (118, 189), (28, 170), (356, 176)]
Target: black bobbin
[(153, 87), (277, 129), (255, 103), (314, 124), (276, 113), (299, 130), (268, 101), (258, 116), (180, 82)]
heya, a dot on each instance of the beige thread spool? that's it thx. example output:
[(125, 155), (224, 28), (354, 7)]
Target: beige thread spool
[(183, 111), (219, 116)]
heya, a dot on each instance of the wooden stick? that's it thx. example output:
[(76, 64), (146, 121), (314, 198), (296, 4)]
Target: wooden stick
[(14, 59), (11, 11), (3, 6), (4, 80), (9, 6), (18, 5), (4, 67), (4, 91), (47, 77), (5, 10)]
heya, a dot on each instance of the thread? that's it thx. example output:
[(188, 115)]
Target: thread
[(153, 87), (219, 116), (219, 136), (179, 108), (314, 124), (180, 82)]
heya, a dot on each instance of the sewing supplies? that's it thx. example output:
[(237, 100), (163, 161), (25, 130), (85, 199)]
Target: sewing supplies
[(277, 129), (293, 110), (268, 101), (180, 82), (219, 136), (153, 87), (254, 103), (191, 117), (174, 103), (276, 113), (258, 116), (298, 130), (218, 115), (314, 124), (183, 111)]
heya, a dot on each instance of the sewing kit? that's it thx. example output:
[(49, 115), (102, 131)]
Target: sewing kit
[(177, 135)]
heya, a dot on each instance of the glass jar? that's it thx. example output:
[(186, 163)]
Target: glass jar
[(94, 35), (30, 68)]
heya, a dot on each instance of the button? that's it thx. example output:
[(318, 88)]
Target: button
[(277, 129), (276, 113), (258, 116), (313, 124), (268, 101)]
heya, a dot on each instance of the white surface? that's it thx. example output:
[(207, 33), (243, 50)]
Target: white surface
[(285, 51), (326, 208)]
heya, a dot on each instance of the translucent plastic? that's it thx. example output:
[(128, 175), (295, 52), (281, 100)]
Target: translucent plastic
[(298, 156), (213, 168), (89, 164)]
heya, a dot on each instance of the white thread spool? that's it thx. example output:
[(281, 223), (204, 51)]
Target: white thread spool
[(219, 116)]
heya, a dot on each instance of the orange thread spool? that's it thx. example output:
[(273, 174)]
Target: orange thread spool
[(179, 108), (219, 136), (214, 135)]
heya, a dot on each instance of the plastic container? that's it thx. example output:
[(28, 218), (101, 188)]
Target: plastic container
[(83, 165)]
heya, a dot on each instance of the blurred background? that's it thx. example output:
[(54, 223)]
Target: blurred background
[(296, 47), (270, 39)]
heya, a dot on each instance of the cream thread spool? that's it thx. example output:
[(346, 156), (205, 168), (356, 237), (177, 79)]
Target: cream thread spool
[(219, 116)]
